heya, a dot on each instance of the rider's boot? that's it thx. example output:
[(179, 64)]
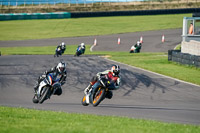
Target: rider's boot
[(36, 87), (88, 88), (109, 94)]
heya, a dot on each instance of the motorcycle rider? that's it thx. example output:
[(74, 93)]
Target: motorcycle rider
[(81, 48), (58, 71), (60, 49), (113, 74), (136, 48)]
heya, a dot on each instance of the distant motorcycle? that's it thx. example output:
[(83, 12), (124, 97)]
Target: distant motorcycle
[(96, 96), (79, 51), (46, 88), (58, 52), (136, 48)]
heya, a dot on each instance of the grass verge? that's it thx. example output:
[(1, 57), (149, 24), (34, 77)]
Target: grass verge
[(21, 120), (54, 28), (156, 62)]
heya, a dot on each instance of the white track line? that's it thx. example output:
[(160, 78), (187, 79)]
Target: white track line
[(155, 73)]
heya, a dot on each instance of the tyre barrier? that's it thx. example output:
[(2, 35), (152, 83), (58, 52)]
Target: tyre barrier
[(183, 58)]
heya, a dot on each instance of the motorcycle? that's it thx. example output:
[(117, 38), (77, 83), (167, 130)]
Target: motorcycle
[(46, 88), (96, 96), (135, 49), (59, 52), (79, 51)]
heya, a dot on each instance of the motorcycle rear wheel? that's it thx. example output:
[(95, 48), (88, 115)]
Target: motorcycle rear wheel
[(44, 94), (84, 101), (98, 96)]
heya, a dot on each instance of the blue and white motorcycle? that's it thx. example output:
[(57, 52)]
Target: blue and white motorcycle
[(80, 50), (46, 88)]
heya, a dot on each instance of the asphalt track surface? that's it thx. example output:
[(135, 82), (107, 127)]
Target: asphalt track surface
[(143, 94), (152, 41)]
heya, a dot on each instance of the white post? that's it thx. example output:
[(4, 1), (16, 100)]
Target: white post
[(184, 32)]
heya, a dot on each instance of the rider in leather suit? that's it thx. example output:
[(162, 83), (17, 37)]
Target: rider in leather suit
[(58, 71), (113, 74)]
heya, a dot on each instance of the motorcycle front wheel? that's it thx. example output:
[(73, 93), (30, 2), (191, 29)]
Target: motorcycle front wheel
[(44, 93), (35, 100), (98, 95), (84, 101)]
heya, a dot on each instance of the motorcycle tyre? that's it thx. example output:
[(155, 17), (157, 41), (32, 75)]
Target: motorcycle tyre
[(83, 101), (35, 100), (96, 102), (77, 54), (43, 97)]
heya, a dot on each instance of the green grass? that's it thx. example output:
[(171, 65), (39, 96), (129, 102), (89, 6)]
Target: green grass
[(21, 120), (54, 28), (156, 62), (43, 50)]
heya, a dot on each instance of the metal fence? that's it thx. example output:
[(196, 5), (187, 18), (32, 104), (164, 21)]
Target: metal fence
[(81, 2)]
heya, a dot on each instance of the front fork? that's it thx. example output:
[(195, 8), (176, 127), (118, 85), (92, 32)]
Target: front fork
[(88, 96)]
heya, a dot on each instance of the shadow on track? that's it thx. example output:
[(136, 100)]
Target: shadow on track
[(133, 80)]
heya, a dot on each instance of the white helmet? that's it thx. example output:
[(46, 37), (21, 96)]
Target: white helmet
[(138, 43), (115, 69), (63, 44), (61, 67), (82, 44)]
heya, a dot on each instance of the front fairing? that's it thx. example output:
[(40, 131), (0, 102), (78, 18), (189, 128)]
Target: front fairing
[(55, 77), (50, 80)]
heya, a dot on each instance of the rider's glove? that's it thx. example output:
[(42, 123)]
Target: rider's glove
[(107, 83), (43, 76), (62, 83)]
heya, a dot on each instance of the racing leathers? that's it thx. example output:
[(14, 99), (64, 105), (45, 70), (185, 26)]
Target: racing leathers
[(80, 50), (114, 82), (136, 48), (55, 76), (60, 50)]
